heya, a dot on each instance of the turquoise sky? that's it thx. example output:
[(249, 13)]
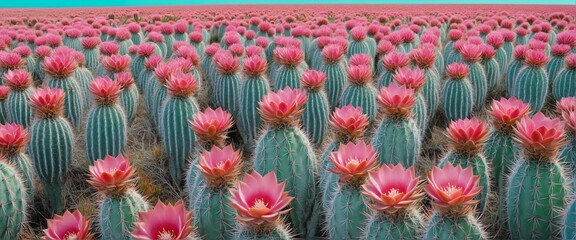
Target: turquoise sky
[(106, 3)]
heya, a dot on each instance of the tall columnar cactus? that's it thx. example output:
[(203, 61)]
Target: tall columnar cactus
[(358, 44), (454, 35), (84, 77), (455, 55), (424, 58), (121, 203), (397, 138), (59, 68), (67, 225), (227, 83), (129, 96), (124, 41), (563, 84), (247, 200), (491, 66), (335, 71), (252, 88), (348, 125), (414, 79), (289, 73), (501, 150), (210, 127), (393, 193), (317, 109), (537, 173), (13, 211), (165, 220), (359, 91), (138, 64), (147, 79), (197, 41), (18, 110), (467, 138), (556, 63), (220, 168), (156, 89), (458, 94), (13, 141), (508, 46), (496, 41), (392, 62), (177, 138), (106, 126), (167, 31), (567, 108), (452, 190), (4, 92), (209, 71), (91, 52), (347, 214), (531, 84), (72, 39), (292, 159), (472, 55), (514, 67), (384, 48), (53, 157), (41, 53)]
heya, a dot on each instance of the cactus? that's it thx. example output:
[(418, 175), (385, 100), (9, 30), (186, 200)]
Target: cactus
[(467, 138), (569, 226), (453, 217), (358, 44), (567, 109), (10, 61), (455, 55), (496, 41), (115, 64), (359, 92), (335, 71), (107, 49), (392, 62), (347, 213), (531, 84), (508, 46), (69, 224), (384, 48), (559, 52), (227, 83), (245, 198), (472, 55), (563, 85), (112, 177), (424, 58), (156, 89), (13, 211), (298, 166), (72, 39), (153, 223), (514, 67), (397, 138), (491, 66), (252, 88), (129, 96), (18, 110), (157, 40), (209, 71), (13, 140), (220, 168), (59, 68), (537, 173), (197, 41), (51, 158), (288, 74), (135, 34), (41, 53), (124, 40), (138, 64), (415, 79), (177, 138), (146, 80), (316, 110), (399, 218), (4, 92), (167, 31), (84, 78), (26, 54), (457, 97)]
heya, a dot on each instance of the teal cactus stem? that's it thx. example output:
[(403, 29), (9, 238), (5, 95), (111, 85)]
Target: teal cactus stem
[(91, 58), (492, 71), (287, 76), (511, 73), (12, 202), (443, 227), (477, 78), (51, 158), (457, 99), (569, 223), (361, 95), (397, 141), (18, 109), (118, 214), (74, 100), (84, 78), (553, 66), (218, 217), (530, 215), (251, 91), (106, 132), (25, 169), (531, 86), (336, 78), (431, 92), (315, 116), (347, 214), (287, 152), (564, 85), (406, 224)]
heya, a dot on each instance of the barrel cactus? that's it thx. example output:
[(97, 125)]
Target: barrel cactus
[(514, 67), (246, 198), (531, 83), (13, 141), (121, 203), (393, 193), (424, 58), (289, 73), (18, 109), (347, 214), (138, 64), (41, 53), (537, 173), (51, 158), (563, 84), (298, 161), (491, 66), (472, 55), (10, 61), (358, 44), (458, 94), (453, 190), (397, 138), (559, 52), (227, 83), (495, 40), (567, 109), (335, 71), (4, 92), (414, 79), (316, 110), (129, 96), (115, 64)]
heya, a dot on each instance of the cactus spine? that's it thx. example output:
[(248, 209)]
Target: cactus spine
[(227, 83)]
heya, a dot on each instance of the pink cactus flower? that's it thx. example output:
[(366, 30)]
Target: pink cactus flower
[(423, 57), (353, 161), (289, 56), (4, 91), (360, 59), (226, 63), (359, 74), (48, 102), (181, 84), (411, 78), (457, 71), (535, 58), (69, 226), (283, 107), (313, 80), (453, 188), (349, 122), (105, 90), (255, 66), (467, 135), (220, 165), (111, 175), (18, 79), (11, 61), (116, 63), (332, 53), (395, 60), (59, 65), (392, 188), (211, 126), (541, 137), (397, 101), (169, 221), (13, 139), (506, 112)]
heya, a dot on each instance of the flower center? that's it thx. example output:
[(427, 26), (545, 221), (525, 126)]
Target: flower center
[(393, 192), (71, 236), (220, 164), (451, 189), (260, 204), (166, 235), (352, 163)]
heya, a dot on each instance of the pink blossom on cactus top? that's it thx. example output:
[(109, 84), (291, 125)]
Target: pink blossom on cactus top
[(392, 188), (13, 139), (105, 90), (495, 39), (111, 175), (570, 61), (226, 63), (520, 52), (349, 122), (397, 101), (236, 49), (353, 161), (164, 70), (211, 125), (4, 91), (220, 165), (508, 111), (360, 59), (42, 51), (145, 50), (11, 61), (124, 79), (471, 53), (165, 221), (260, 199), (253, 50), (196, 37), (488, 51), (18, 79), (312, 79), (567, 108), (152, 62), (411, 78), (385, 47), (116, 63), (424, 57), (332, 53), (360, 74), (181, 84), (255, 65), (535, 58), (452, 186), (109, 48), (123, 35), (23, 51), (358, 33), (283, 107), (540, 136), (566, 37), (59, 65), (467, 135), (457, 71), (68, 226), (560, 50), (289, 56), (395, 60)]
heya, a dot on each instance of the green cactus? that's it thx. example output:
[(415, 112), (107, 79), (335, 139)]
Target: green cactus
[(453, 228), (118, 214), (280, 232), (408, 224), (218, 217), (457, 99), (18, 110), (501, 58), (564, 85), (84, 78), (479, 83), (251, 91), (554, 66), (129, 102), (531, 86), (315, 116), (287, 76), (492, 71), (12, 203), (569, 223), (397, 141), (347, 213), (336, 75), (431, 92), (512, 71), (361, 95), (225, 92), (567, 156), (74, 100), (106, 130)]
